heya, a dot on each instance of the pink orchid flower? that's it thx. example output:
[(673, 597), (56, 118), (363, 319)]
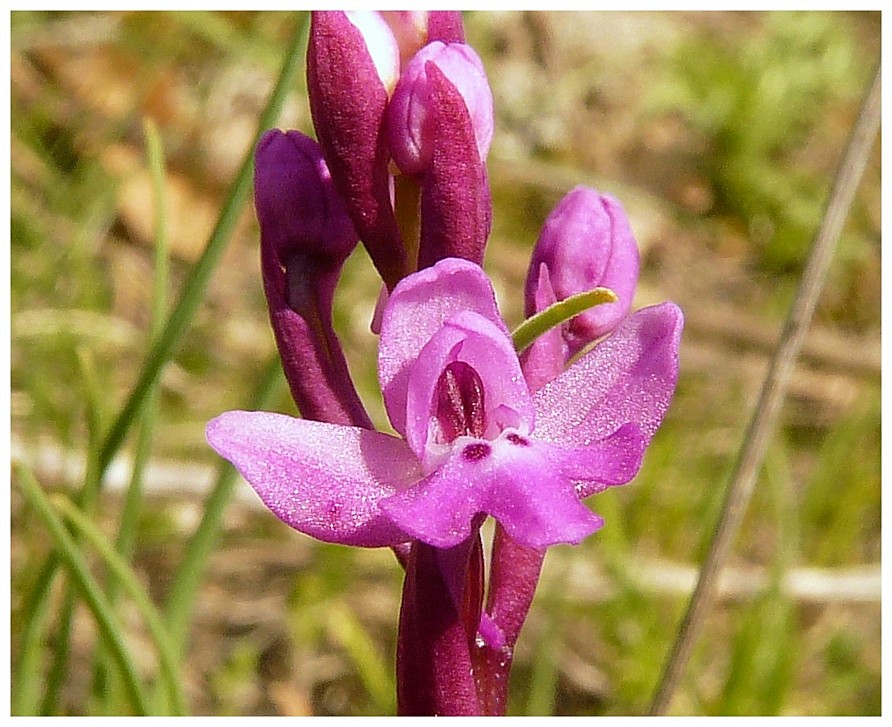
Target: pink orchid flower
[(473, 439)]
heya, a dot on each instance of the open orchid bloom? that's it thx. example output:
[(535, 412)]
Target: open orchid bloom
[(473, 438)]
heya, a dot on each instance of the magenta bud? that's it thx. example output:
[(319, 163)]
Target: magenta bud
[(305, 236), (412, 109), (350, 59), (456, 206), (298, 207), (586, 242)]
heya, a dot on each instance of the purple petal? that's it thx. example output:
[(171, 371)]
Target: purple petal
[(628, 377), (516, 480), (475, 340), (417, 309), (322, 479), (611, 461)]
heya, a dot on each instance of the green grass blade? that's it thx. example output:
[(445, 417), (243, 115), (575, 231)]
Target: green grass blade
[(179, 319), (125, 542), (554, 315), (87, 498), (120, 569), (26, 685), (194, 287), (69, 553), (133, 498), (346, 629)]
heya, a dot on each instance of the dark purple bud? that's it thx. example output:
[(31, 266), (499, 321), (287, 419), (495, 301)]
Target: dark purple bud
[(297, 205), (456, 207), (349, 69), (586, 242), (411, 116), (305, 236)]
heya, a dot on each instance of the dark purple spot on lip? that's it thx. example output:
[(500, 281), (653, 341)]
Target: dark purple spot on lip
[(475, 452), (518, 440)]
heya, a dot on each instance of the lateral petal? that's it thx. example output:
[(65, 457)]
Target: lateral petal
[(628, 377), (322, 479)]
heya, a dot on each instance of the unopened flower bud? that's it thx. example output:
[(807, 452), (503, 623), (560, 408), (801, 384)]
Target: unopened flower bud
[(411, 113), (352, 59), (305, 236), (586, 242), (298, 207)]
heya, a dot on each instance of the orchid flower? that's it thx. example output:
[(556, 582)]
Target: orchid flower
[(473, 438)]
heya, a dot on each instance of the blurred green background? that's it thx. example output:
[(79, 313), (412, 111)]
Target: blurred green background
[(719, 132)]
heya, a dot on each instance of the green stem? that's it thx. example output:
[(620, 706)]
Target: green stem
[(126, 539), (87, 497), (555, 314), (132, 502), (25, 694), (68, 552)]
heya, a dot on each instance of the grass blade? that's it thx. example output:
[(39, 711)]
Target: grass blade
[(752, 451), (120, 569), (69, 553), (194, 287)]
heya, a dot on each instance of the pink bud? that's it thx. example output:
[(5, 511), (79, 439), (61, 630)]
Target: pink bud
[(586, 242), (411, 109)]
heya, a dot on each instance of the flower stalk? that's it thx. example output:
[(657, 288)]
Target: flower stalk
[(403, 116)]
